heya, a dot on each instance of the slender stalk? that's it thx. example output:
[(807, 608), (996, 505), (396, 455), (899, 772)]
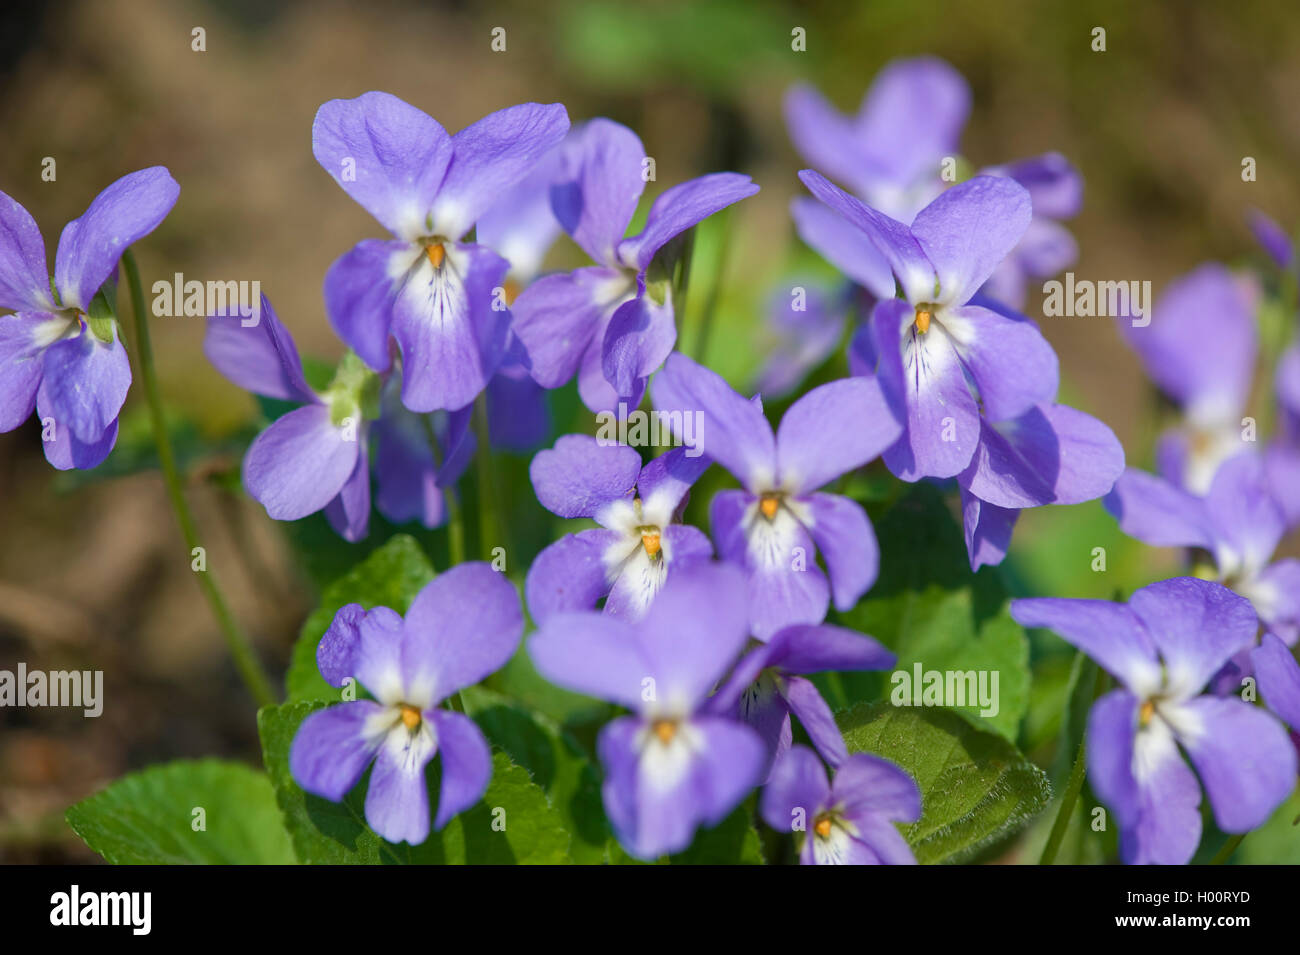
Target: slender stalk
[(489, 527), (1073, 786), (455, 527), (682, 280), (241, 650), (455, 522), (1229, 847), (1063, 814), (1275, 334), (715, 290)]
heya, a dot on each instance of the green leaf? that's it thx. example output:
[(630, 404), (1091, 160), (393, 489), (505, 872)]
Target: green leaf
[(390, 577), (976, 788), (1277, 842), (149, 817), (556, 762), (930, 609), (336, 833)]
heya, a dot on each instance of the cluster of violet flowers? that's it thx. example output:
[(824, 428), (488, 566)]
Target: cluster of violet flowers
[(707, 640)]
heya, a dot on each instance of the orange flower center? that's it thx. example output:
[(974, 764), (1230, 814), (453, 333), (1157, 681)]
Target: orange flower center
[(665, 730), (923, 316), (822, 826), (1147, 711), (768, 504), (410, 717), (436, 254), (650, 541)]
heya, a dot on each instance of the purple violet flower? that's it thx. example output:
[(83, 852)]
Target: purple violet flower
[(60, 351), (807, 322), (1278, 676), (934, 345), (640, 543), (1237, 524), (890, 155), (1052, 454), (1047, 248), (426, 288), (1272, 238), (1282, 457), (768, 684), (413, 483), (1163, 646), (521, 228), (1210, 385), (671, 766), (612, 324), (316, 456), (850, 821), (464, 625), (776, 525)]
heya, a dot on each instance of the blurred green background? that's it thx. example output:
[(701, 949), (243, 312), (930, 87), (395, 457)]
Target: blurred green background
[(92, 574)]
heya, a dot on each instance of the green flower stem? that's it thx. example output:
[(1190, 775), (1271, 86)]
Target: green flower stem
[(1072, 789), (489, 527), (241, 650), (715, 289), (1229, 847), (1068, 799), (455, 522), (455, 528)]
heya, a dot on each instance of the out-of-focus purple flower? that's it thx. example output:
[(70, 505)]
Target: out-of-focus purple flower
[(777, 524), (849, 821), (60, 350), (932, 346), (808, 323), (640, 543), (1047, 247), (518, 417), (426, 288), (1052, 454), (890, 155), (520, 227), (412, 481), (670, 767), (1273, 239), (768, 685), (1278, 675), (1237, 523), (314, 457), (1163, 646), (612, 324), (1287, 384), (1282, 457), (1210, 384), (464, 625)]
